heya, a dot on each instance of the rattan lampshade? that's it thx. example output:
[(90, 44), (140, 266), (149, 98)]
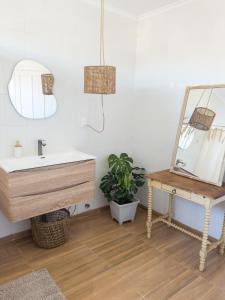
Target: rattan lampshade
[(47, 81), (202, 118), (100, 80)]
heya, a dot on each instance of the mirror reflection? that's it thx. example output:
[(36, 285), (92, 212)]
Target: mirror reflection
[(200, 147), (31, 90)]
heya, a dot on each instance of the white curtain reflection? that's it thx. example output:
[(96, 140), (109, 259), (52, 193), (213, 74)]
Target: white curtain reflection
[(212, 155), (187, 136)]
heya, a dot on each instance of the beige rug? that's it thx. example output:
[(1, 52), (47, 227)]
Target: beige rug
[(34, 286)]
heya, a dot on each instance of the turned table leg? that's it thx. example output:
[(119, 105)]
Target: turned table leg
[(222, 246), (149, 219), (170, 209), (203, 251)]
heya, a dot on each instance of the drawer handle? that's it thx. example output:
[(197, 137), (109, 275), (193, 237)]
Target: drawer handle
[(53, 191), (174, 191)]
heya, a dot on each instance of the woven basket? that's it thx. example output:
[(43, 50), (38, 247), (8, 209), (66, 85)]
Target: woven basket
[(51, 230)]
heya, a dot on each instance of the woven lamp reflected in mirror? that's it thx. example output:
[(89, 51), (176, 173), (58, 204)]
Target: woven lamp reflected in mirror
[(47, 81), (100, 79), (203, 117)]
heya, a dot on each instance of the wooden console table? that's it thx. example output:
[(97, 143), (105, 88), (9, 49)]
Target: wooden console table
[(201, 193)]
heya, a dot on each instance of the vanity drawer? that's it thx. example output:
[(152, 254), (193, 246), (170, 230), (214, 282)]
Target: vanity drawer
[(178, 192), (47, 179), (25, 207)]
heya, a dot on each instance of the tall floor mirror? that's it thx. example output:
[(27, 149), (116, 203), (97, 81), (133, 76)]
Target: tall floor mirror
[(200, 144)]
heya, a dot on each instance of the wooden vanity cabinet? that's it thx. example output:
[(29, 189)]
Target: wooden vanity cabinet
[(32, 192)]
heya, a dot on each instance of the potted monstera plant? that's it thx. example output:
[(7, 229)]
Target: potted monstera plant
[(120, 185)]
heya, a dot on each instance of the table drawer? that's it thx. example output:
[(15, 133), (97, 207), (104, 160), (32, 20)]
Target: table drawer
[(178, 192)]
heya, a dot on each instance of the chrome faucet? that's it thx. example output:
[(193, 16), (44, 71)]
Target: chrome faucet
[(41, 144)]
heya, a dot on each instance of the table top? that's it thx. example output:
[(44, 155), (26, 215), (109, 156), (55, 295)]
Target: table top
[(188, 184)]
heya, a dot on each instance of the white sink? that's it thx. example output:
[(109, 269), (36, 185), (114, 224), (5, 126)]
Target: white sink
[(29, 162)]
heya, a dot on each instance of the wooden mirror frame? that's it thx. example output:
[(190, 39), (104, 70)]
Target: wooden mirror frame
[(182, 114)]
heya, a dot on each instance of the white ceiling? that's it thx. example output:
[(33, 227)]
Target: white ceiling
[(136, 8)]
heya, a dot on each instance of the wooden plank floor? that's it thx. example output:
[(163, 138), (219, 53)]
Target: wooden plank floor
[(104, 260)]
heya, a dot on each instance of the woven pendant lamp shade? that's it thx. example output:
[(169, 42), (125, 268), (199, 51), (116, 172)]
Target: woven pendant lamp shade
[(47, 81), (100, 80), (202, 118)]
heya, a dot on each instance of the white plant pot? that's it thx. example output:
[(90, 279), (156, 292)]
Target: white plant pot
[(125, 212)]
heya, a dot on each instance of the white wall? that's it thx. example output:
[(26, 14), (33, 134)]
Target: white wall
[(63, 36), (182, 46)]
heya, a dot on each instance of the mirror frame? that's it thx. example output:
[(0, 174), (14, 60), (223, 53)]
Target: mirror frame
[(182, 114)]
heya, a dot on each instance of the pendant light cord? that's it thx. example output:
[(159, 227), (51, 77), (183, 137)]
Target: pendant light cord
[(102, 63), (203, 93), (102, 42), (200, 99), (210, 95), (103, 118)]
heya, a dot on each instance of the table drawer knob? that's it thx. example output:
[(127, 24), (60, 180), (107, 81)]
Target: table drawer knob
[(174, 191)]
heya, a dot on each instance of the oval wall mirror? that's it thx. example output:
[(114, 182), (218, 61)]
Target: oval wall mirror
[(31, 90)]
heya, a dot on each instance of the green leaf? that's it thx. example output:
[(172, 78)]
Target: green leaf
[(123, 179)]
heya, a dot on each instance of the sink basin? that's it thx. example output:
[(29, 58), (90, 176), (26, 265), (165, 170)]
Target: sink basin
[(30, 162)]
